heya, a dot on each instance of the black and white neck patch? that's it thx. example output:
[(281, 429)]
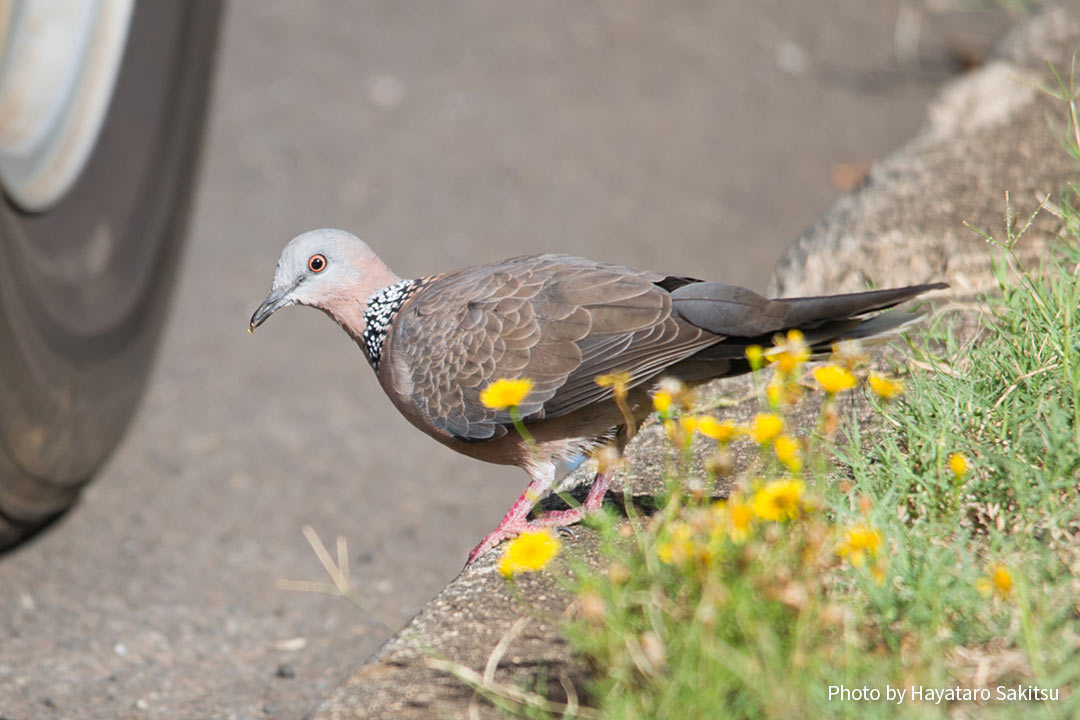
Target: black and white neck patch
[(380, 312)]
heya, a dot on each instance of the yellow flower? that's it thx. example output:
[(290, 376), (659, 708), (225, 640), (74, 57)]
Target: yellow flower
[(671, 429), (782, 390), (834, 378), (689, 423), (774, 391), (679, 547), (661, 401), (998, 581), (678, 393), (958, 464), (790, 352), (720, 430), (859, 543), (885, 388), (740, 519), (787, 451), (755, 354), (734, 517), (766, 427), (779, 500), (617, 381), (528, 552), (505, 393)]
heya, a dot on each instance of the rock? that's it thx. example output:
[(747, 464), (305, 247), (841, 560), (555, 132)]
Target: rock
[(986, 134)]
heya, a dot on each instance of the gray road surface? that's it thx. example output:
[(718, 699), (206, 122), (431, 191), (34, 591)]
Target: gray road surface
[(693, 137)]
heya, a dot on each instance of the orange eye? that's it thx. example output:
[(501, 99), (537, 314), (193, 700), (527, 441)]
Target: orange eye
[(317, 263)]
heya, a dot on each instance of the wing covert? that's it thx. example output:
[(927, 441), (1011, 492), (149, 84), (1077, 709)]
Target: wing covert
[(558, 320)]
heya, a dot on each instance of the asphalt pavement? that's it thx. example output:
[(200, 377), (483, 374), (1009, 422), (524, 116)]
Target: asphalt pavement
[(696, 138)]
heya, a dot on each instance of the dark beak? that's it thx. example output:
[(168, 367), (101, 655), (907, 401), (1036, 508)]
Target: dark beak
[(276, 300)]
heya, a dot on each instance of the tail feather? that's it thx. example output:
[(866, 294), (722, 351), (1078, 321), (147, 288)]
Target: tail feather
[(887, 323), (746, 319), (736, 312), (807, 311)]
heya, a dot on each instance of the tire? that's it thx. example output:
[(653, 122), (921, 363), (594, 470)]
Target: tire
[(84, 286)]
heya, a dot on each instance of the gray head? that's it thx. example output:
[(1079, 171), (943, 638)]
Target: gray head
[(331, 270)]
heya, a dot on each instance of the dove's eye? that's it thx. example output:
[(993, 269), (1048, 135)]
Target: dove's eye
[(317, 263)]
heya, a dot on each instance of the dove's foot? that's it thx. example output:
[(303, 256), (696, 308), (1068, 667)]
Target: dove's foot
[(514, 522)]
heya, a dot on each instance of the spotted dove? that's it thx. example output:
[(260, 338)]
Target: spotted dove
[(560, 321)]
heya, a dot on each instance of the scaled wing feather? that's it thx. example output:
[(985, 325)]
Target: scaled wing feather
[(556, 320)]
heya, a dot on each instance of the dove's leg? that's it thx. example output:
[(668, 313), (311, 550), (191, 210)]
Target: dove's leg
[(595, 498), (592, 503), (514, 522)]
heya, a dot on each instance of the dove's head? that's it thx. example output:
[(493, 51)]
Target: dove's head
[(331, 270)]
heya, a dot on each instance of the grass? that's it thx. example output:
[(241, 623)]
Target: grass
[(896, 568)]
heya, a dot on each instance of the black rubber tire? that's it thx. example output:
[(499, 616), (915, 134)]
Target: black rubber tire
[(85, 285)]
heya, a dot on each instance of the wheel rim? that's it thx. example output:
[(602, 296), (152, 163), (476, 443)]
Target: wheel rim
[(58, 65)]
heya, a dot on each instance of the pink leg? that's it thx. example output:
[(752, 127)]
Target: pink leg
[(593, 501), (514, 522)]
